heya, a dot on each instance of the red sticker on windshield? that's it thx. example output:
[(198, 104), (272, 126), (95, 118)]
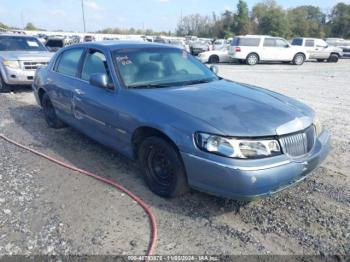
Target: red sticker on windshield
[(124, 60)]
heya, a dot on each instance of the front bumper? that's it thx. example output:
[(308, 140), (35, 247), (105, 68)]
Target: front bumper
[(247, 182), (18, 76)]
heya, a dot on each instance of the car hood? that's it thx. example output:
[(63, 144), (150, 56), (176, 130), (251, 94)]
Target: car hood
[(237, 109), (26, 55)]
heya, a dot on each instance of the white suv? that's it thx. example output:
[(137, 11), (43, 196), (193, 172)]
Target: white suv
[(254, 48)]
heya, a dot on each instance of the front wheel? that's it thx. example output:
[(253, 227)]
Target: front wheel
[(333, 58), (214, 59), (162, 166), (3, 86), (252, 59), (50, 113), (299, 59)]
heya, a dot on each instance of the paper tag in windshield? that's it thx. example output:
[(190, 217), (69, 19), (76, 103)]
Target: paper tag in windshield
[(32, 43)]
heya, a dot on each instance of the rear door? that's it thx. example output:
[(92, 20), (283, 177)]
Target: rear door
[(310, 47), (62, 80), (96, 107), (268, 50)]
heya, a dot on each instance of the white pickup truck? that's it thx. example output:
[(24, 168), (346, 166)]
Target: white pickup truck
[(318, 49)]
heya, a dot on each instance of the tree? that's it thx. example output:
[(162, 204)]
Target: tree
[(194, 25), (306, 21), (339, 21), (241, 21), (30, 27), (3, 26), (270, 19)]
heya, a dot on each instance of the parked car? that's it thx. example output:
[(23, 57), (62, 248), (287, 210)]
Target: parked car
[(20, 56), (186, 126), (318, 49), (252, 49), (219, 44), (53, 44), (341, 43), (199, 47), (215, 56), (89, 38)]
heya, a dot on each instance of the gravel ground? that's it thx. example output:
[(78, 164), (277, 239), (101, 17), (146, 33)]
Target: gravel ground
[(46, 209)]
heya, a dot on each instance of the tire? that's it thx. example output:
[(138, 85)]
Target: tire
[(333, 58), (252, 59), (299, 59), (214, 59), (3, 86), (50, 113), (164, 172), (320, 60)]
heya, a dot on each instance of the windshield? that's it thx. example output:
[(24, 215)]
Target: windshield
[(160, 67), (15, 43), (54, 43)]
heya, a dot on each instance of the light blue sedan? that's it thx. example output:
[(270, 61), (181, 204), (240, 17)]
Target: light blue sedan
[(186, 126)]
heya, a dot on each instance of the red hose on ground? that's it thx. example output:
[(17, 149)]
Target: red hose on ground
[(146, 208)]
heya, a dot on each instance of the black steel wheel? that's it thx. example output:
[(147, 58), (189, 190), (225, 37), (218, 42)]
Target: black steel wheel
[(50, 113), (162, 166)]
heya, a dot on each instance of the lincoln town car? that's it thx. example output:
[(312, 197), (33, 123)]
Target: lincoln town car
[(186, 126)]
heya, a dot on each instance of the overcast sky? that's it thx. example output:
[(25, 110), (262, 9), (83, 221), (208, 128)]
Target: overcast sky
[(155, 14)]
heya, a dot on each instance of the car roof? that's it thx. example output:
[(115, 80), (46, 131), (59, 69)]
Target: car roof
[(18, 35), (121, 44)]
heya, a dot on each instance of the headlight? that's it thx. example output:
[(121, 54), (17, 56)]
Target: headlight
[(237, 148), (12, 64), (318, 126)]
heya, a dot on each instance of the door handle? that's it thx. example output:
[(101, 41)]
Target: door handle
[(79, 92)]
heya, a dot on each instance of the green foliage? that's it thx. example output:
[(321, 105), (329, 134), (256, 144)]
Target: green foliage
[(306, 21), (339, 23), (3, 26), (30, 27), (241, 20), (270, 19)]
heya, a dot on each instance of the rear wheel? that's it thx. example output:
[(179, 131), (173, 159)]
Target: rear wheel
[(299, 59), (214, 59), (50, 113), (163, 169), (3, 86), (252, 59), (333, 58)]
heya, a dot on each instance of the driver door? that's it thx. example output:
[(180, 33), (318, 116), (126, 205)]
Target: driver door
[(96, 107)]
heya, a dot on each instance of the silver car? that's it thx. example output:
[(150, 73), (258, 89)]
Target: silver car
[(20, 56)]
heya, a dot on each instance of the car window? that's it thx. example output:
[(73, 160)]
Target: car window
[(297, 41), (54, 43), (309, 43), (249, 41), (69, 62), (269, 42), (320, 43), (281, 43), (146, 66), (95, 62)]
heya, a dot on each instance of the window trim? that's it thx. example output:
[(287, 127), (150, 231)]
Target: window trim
[(59, 58), (81, 66)]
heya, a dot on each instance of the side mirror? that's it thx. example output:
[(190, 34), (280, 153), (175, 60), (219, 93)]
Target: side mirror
[(214, 69), (100, 80)]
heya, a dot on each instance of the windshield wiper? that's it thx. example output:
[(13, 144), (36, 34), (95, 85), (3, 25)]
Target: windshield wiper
[(198, 81), (150, 85)]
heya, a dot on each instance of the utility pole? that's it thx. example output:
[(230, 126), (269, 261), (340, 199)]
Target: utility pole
[(82, 10)]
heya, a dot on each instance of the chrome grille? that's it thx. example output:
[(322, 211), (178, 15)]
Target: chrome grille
[(300, 143), (31, 65)]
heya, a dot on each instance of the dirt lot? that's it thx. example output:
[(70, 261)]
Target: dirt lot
[(45, 209)]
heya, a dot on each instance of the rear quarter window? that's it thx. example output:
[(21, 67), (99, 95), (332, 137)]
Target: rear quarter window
[(249, 41), (68, 62), (309, 43)]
